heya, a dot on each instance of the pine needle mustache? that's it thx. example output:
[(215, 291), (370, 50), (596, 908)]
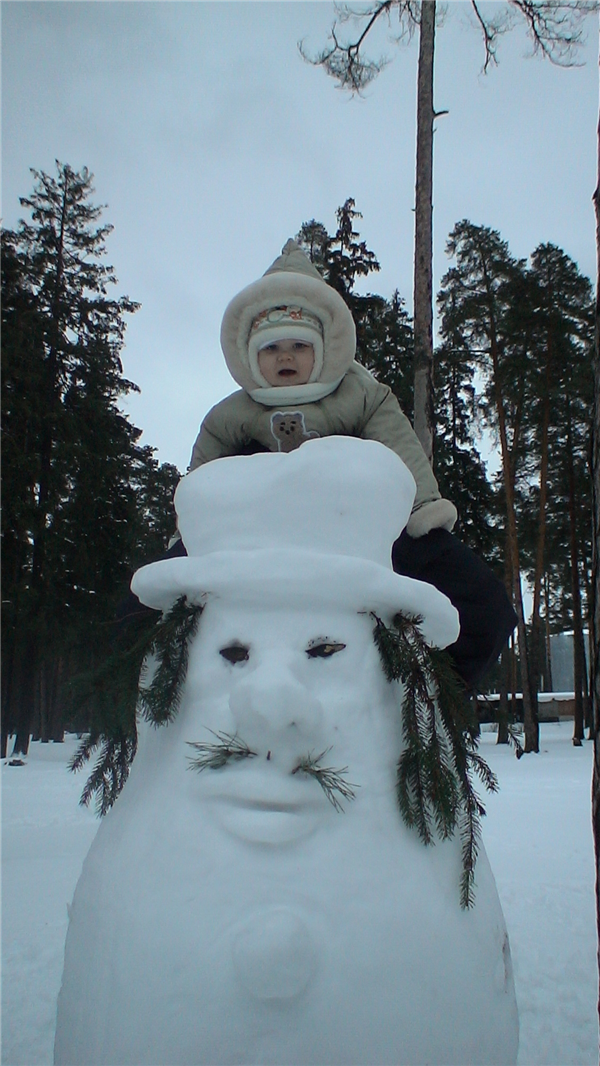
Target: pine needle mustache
[(331, 780), (227, 748)]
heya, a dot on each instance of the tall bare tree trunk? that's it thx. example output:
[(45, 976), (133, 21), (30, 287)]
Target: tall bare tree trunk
[(549, 678), (537, 639), (502, 737), (530, 717), (595, 598), (506, 668), (423, 278), (578, 648)]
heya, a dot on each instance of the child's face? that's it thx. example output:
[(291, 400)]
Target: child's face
[(286, 362)]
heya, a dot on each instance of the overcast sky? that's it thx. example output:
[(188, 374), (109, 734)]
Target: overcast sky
[(211, 141)]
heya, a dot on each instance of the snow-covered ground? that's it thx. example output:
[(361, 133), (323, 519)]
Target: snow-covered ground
[(537, 835)]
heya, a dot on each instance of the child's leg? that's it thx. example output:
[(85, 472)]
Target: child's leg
[(486, 616)]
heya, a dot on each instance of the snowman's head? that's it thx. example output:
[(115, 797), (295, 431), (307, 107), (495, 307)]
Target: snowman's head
[(290, 720)]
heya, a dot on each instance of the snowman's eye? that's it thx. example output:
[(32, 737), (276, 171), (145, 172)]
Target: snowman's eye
[(323, 649), (235, 653)]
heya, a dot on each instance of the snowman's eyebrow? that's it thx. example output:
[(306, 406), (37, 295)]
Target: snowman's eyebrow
[(236, 652), (323, 648)]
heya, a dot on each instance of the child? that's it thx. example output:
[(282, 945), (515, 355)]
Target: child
[(289, 341)]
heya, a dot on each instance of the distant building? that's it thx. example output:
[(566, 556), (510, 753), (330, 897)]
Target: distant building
[(561, 652)]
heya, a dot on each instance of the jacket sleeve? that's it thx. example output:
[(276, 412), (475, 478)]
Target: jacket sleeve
[(220, 434), (389, 425), (208, 446)]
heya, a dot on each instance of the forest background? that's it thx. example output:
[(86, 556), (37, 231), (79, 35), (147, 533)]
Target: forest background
[(85, 503)]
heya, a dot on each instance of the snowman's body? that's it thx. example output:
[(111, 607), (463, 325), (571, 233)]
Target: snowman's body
[(234, 916)]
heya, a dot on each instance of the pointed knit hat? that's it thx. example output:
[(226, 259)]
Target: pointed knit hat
[(292, 283)]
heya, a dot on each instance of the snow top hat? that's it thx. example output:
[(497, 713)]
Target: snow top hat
[(306, 528), (291, 286)]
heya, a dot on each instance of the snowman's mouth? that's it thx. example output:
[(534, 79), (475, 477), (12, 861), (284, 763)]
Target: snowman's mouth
[(265, 805), (270, 821)]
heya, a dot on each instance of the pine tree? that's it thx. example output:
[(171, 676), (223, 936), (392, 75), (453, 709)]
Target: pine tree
[(73, 522), (483, 298), (458, 466), (342, 257), (557, 431)]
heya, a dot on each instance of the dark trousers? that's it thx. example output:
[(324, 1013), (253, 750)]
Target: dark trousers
[(487, 618)]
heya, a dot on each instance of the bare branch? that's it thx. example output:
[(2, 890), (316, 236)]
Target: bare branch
[(554, 26), (491, 29), (344, 61)]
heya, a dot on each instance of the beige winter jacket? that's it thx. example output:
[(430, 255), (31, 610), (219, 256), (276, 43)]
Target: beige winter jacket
[(359, 407)]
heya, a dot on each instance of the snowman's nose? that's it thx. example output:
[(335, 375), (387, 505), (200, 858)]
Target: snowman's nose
[(276, 714)]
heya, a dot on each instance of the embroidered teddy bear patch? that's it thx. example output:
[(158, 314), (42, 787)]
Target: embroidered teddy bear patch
[(290, 430)]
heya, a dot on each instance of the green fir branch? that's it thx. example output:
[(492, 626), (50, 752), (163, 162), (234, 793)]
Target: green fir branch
[(483, 771), (515, 732), (228, 748), (331, 780), (113, 692), (110, 772), (470, 836), (173, 634), (109, 694), (440, 730)]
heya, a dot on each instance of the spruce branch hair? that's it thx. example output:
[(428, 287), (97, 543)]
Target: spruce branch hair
[(109, 695), (434, 779), (111, 770), (159, 702), (331, 780), (114, 690)]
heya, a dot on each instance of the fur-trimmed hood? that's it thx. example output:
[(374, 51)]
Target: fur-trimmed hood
[(291, 279)]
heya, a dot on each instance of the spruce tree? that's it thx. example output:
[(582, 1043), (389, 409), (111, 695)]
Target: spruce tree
[(384, 336), (72, 466), (22, 408)]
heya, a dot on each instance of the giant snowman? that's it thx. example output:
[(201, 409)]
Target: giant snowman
[(236, 915)]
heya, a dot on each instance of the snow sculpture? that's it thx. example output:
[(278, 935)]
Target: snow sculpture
[(237, 915)]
